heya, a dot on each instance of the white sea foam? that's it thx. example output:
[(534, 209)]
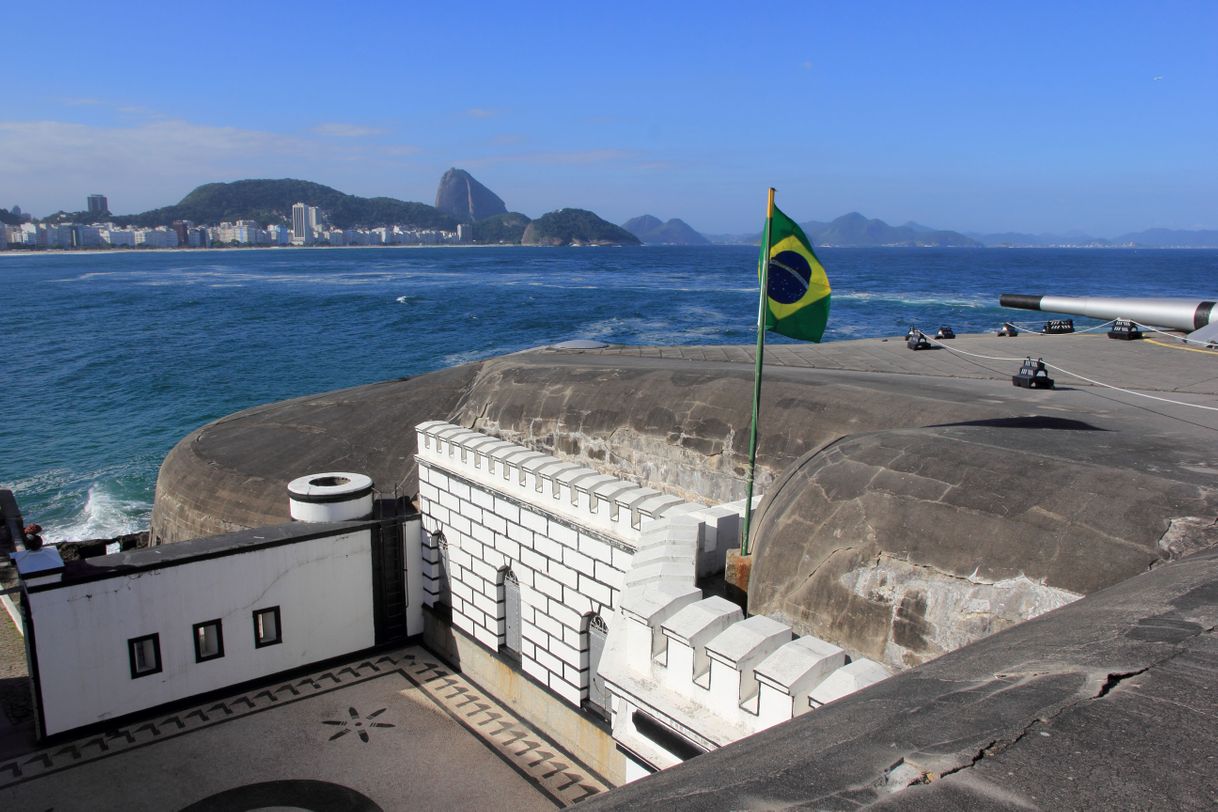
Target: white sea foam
[(104, 515), (913, 301)]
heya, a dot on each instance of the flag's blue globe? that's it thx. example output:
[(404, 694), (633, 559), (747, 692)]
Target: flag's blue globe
[(788, 277)]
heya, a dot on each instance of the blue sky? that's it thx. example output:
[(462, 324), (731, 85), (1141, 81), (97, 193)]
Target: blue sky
[(1028, 116)]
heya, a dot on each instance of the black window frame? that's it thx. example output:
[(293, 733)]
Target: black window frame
[(504, 608), (194, 635), (589, 703), (260, 643), (133, 643)]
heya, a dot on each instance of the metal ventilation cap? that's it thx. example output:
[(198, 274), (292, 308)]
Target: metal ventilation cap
[(580, 344)]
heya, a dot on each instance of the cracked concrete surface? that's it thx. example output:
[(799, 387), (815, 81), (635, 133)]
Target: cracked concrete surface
[(1108, 702), (903, 545)]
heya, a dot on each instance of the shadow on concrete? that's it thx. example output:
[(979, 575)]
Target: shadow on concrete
[(16, 717), (1028, 422)]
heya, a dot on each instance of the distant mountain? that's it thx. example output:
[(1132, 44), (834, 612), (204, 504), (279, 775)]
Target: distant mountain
[(502, 228), (466, 199), (1170, 238), (271, 201), (854, 229), (734, 239), (1016, 239), (651, 231), (575, 227)]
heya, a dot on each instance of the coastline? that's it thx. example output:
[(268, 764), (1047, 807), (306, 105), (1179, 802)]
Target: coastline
[(59, 252)]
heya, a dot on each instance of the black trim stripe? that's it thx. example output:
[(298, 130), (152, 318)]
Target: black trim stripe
[(1203, 314), (330, 498), (1022, 301), (178, 553)]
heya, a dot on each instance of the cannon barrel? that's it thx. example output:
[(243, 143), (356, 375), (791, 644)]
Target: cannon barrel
[(1175, 314)]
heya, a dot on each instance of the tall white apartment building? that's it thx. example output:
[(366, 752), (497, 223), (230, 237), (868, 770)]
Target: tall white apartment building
[(304, 224)]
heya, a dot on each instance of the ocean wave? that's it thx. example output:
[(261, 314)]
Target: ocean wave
[(103, 515), (708, 327), (913, 300), (458, 358)]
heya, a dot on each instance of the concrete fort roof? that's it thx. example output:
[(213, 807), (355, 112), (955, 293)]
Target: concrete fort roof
[(675, 419), (1107, 703), (978, 501), (916, 503)]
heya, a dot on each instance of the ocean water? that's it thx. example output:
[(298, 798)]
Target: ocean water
[(111, 358)]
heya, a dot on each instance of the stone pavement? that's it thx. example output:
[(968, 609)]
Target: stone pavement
[(16, 705), (391, 730)]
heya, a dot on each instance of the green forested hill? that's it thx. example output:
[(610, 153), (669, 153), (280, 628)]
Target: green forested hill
[(575, 227), (271, 201), (501, 228)]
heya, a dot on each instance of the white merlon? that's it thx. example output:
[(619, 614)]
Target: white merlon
[(586, 490), (787, 677), (688, 632), (735, 652), (846, 680), (643, 611)]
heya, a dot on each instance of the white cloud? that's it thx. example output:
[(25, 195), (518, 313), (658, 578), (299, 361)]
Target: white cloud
[(343, 130), (49, 165)]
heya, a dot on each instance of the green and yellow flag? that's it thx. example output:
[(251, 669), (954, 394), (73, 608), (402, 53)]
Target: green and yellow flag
[(797, 304)]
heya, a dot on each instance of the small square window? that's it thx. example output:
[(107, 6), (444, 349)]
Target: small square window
[(209, 641), (267, 631), (145, 654)]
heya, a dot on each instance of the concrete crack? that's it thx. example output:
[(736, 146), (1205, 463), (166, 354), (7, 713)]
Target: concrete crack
[(997, 746), (1116, 679), (826, 560)]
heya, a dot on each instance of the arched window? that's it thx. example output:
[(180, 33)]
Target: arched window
[(509, 611), (440, 543), (596, 631)]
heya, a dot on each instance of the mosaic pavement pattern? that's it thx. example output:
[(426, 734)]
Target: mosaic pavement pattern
[(550, 768)]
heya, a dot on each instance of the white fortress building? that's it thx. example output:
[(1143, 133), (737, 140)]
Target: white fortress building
[(576, 594)]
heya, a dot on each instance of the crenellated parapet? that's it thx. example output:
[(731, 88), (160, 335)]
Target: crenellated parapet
[(534, 553), (564, 489), (690, 673), (530, 552)]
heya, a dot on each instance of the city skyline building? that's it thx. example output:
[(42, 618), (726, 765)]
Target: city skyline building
[(98, 205), (304, 224)]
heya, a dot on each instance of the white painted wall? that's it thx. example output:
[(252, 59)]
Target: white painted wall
[(322, 587), (567, 532)]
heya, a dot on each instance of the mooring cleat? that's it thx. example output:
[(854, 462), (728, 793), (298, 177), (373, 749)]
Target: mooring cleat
[(917, 341), (945, 332), (1125, 330), (1058, 326), (1007, 329), (1033, 375)]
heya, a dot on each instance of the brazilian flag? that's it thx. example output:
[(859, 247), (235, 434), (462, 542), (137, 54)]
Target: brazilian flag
[(797, 301)]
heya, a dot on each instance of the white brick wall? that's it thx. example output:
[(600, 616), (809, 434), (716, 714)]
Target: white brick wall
[(495, 505)]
